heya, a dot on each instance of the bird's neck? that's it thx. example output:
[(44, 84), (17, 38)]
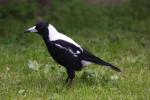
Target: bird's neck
[(48, 43), (49, 33), (52, 32)]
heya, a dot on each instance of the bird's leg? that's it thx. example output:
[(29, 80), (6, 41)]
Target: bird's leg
[(71, 75), (67, 79), (68, 76)]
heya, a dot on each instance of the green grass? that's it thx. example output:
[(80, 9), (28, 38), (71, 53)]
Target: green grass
[(123, 40)]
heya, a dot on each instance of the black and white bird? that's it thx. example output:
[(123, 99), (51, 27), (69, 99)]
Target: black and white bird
[(66, 51)]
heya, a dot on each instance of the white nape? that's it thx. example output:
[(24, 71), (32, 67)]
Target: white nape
[(55, 35)]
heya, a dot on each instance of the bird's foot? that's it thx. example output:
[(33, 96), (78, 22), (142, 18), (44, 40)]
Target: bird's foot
[(67, 79), (69, 82)]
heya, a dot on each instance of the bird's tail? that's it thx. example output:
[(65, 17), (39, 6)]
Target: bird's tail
[(102, 62), (90, 57)]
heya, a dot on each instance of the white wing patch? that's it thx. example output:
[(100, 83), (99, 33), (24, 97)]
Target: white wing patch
[(85, 63), (74, 54), (60, 46), (55, 35), (78, 52)]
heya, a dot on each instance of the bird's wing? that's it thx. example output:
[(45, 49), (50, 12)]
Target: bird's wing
[(69, 47), (60, 36)]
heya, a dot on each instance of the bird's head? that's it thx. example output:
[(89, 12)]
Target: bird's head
[(40, 28)]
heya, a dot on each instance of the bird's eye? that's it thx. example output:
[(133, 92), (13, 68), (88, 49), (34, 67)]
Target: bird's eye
[(36, 27)]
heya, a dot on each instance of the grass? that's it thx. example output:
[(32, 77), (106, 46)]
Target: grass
[(123, 40)]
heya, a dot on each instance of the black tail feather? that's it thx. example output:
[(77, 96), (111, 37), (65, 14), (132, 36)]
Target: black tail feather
[(102, 62), (115, 68), (90, 57)]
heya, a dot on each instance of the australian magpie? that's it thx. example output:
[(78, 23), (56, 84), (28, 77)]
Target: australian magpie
[(66, 51)]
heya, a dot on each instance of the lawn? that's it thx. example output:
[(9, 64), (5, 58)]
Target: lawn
[(118, 34)]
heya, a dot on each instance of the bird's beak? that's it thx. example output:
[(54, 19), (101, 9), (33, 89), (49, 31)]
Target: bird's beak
[(32, 29)]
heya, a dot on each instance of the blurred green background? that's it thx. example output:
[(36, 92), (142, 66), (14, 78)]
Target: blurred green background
[(115, 30)]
